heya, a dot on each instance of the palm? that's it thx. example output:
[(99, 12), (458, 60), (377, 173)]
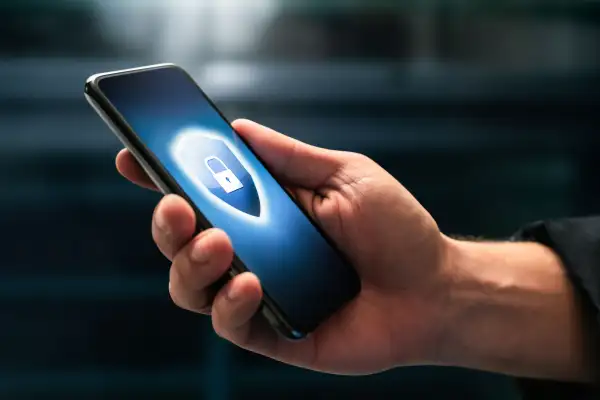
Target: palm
[(349, 207)]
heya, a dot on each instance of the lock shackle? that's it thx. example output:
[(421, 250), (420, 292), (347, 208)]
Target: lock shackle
[(210, 158)]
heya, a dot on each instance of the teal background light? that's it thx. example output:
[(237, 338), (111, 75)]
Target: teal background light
[(486, 110)]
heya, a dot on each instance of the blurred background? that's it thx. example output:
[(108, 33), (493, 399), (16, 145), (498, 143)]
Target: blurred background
[(486, 111)]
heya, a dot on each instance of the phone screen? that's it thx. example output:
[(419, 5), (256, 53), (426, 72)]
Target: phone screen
[(299, 270)]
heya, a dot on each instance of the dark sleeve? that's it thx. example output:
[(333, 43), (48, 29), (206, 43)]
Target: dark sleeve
[(577, 243)]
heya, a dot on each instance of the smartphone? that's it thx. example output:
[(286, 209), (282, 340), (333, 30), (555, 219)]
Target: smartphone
[(187, 147)]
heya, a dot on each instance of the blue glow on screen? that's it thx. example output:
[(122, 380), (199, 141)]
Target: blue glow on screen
[(274, 239)]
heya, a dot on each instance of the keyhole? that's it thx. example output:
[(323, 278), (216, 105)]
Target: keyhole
[(227, 179)]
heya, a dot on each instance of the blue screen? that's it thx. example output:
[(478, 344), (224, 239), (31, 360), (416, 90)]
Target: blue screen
[(298, 269)]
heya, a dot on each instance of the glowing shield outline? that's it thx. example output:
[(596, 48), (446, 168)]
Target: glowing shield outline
[(188, 136)]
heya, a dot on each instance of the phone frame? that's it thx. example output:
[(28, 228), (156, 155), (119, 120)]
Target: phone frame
[(168, 185)]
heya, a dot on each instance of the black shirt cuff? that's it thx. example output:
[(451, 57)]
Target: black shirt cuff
[(577, 242)]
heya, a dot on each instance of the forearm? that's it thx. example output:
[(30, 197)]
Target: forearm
[(512, 310)]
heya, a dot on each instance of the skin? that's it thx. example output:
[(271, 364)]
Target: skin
[(426, 299)]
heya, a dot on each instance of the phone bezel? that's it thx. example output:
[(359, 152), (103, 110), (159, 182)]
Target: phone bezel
[(167, 184)]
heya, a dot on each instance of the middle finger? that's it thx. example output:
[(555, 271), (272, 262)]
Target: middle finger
[(197, 268)]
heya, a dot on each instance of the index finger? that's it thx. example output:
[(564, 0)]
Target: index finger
[(128, 166)]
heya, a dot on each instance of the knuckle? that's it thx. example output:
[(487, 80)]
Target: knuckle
[(186, 297), (218, 326), (359, 157), (187, 271), (175, 289), (175, 297)]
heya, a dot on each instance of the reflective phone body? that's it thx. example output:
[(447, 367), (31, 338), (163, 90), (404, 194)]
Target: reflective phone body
[(293, 317)]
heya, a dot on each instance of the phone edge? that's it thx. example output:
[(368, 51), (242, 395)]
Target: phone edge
[(267, 309)]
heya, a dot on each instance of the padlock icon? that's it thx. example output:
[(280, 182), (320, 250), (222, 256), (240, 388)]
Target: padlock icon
[(222, 174)]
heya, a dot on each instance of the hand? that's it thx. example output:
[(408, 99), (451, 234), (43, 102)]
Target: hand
[(391, 240)]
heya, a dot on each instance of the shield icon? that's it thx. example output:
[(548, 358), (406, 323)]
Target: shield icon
[(217, 169)]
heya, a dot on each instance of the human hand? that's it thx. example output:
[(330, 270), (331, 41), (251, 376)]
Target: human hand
[(390, 239)]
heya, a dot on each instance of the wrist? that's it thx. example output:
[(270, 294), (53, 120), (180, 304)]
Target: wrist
[(510, 309)]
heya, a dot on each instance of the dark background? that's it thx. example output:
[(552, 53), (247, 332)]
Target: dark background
[(487, 113)]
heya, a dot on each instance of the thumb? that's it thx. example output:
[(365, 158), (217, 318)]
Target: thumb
[(294, 162)]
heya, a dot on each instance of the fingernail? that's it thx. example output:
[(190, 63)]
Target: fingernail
[(199, 252), (232, 293)]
